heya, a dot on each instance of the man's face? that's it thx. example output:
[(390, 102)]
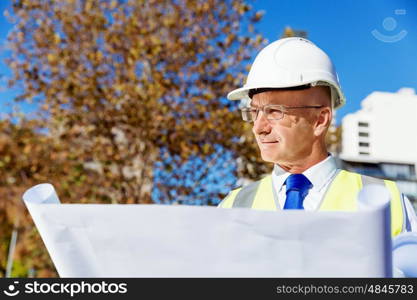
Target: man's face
[(291, 138)]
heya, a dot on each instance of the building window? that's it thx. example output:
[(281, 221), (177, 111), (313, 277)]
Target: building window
[(363, 134), (363, 144), (363, 124), (399, 171)]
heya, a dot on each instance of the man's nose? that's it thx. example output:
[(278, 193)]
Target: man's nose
[(261, 124)]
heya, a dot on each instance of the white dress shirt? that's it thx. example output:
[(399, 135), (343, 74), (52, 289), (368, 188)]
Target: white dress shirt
[(321, 175)]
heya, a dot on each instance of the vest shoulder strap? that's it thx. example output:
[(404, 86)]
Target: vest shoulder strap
[(257, 195), (343, 192), (397, 208), (241, 197), (246, 195), (227, 202)]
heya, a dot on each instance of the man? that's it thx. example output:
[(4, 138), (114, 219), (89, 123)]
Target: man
[(292, 90)]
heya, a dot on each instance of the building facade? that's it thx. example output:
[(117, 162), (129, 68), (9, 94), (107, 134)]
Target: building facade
[(380, 139)]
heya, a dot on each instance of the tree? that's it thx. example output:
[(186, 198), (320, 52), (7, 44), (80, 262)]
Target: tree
[(121, 80), (26, 158), (126, 90), (289, 32)]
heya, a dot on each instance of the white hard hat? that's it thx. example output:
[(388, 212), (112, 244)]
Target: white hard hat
[(291, 62)]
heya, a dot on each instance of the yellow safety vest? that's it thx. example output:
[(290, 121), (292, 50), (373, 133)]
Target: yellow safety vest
[(340, 196)]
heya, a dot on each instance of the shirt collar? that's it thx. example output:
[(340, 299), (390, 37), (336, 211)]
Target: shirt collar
[(318, 174)]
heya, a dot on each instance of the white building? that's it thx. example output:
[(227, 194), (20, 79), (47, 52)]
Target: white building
[(381, 138)]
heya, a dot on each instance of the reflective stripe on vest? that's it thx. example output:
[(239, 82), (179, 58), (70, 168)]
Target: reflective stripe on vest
[(341, 195)]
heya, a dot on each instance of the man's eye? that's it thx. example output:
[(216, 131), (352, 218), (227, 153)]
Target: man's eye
[(273, 111)]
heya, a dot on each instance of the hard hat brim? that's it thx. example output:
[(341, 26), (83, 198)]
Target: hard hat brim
[(238, 94), (243, 93)]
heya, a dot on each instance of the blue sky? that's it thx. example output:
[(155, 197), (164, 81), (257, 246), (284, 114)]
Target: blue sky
[(5, 95), (341, 28)]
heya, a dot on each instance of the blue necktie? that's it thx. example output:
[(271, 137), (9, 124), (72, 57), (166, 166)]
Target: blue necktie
[(297, 188)]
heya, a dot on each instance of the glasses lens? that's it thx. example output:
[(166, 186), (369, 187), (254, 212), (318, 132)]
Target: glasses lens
[(273, 112), (248, 114)]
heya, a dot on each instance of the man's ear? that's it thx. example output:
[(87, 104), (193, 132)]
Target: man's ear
[(323, 121)]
